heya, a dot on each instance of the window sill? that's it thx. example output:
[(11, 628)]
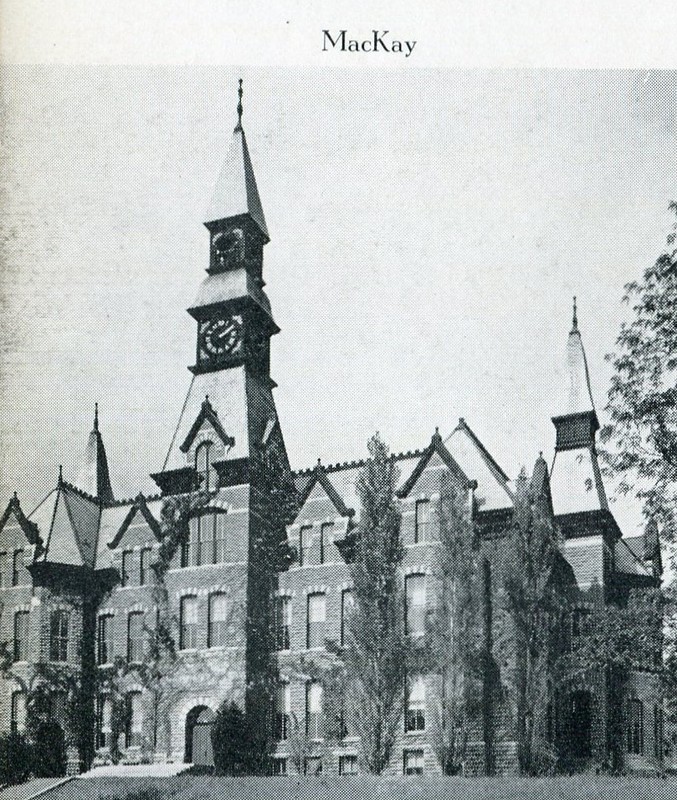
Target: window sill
[(218, 565)]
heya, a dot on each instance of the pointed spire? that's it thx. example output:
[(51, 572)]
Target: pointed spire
[(578, 378), (236, 192), (94, 475), (238, 127), (60, 480)]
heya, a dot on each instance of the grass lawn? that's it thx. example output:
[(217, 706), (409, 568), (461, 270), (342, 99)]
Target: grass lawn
[(194, 787)]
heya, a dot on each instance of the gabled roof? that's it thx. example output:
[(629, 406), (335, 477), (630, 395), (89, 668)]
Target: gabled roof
[(139, 505), (236, 192), (320, 476), (68, 522), (207, 413), (436, 446), (29, 528)]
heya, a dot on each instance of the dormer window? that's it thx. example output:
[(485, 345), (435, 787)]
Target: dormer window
[(203, 465)]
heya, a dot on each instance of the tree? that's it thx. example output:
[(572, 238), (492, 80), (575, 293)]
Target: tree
[(641, 435), (231, 739), (378, 651), (534, 607), (642, 400), (455, 632)]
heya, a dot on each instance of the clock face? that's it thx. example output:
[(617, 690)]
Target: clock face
[(222, 336)]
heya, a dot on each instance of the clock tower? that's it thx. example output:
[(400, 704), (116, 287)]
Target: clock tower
[(230, 404)]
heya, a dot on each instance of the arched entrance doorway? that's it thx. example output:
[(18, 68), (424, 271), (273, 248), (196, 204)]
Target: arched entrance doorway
[(199, 724), (579, 725)]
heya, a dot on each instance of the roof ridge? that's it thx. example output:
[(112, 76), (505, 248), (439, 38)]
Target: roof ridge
[(359, 462)]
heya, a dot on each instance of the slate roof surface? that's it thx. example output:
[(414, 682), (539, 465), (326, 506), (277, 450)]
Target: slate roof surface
[(586, 557)]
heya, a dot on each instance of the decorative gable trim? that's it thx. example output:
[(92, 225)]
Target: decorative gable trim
[(486, 455), (436, 446), (207, 413), (139, 505), (320, 477), (29, 528)]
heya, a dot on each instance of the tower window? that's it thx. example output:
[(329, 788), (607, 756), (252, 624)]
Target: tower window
[(3, 570), (126, 568), (422, 520), (635, 727), (282, 712), (218, 620), (203, 466), (314, 713), (413, 762), (58, 636), (317, 614), (135, 637), (415, 605), (103, 721), (188, 638), (104, 640), (283, 623), (21, 636), (414, 718)]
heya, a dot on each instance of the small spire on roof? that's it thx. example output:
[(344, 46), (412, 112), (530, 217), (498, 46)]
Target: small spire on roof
[(60, 474), (238, 127), (96, 416), (574, 326), (16, 498)]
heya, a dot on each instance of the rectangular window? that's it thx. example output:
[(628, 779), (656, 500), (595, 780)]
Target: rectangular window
[(326, 541), (188, 623), (347, 765), (422, 519), (218, 621), (413, 762), (18, 712), (279, 766), (135, 638), (4, 566), (414, 717), (283, 623), (305, 543), (220, 540), (19, 573), (21, 636), (145, 574), (103, 720), (134, 720), (415, 605), (58, 636), (658, 732), (126, 568), (206, 539), (347, 605), (282, 711), (104, 640), (313, 765), (314, 715), (635, 722), (317, 613)]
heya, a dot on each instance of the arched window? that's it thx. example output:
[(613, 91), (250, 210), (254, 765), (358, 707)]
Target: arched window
[(19, 574), (203, 465), (135, 637), (188, 623), (317, 616), (18, 711), (21, 636), (134, 720), (58, 635), (314, 711)]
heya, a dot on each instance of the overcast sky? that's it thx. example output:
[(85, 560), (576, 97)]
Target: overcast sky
[(428, 230)]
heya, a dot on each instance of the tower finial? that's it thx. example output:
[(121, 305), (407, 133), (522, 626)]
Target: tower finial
[(238, 127), (96, 416), (575, 321), (60, 474)]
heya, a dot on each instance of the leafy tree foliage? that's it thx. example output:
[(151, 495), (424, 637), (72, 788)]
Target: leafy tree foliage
[(231, 740), (377, 652), (534, 605), (16, 758), (455, 632), (642, 431)]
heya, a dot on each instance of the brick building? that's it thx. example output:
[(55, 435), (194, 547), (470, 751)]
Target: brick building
[(78, 591)]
